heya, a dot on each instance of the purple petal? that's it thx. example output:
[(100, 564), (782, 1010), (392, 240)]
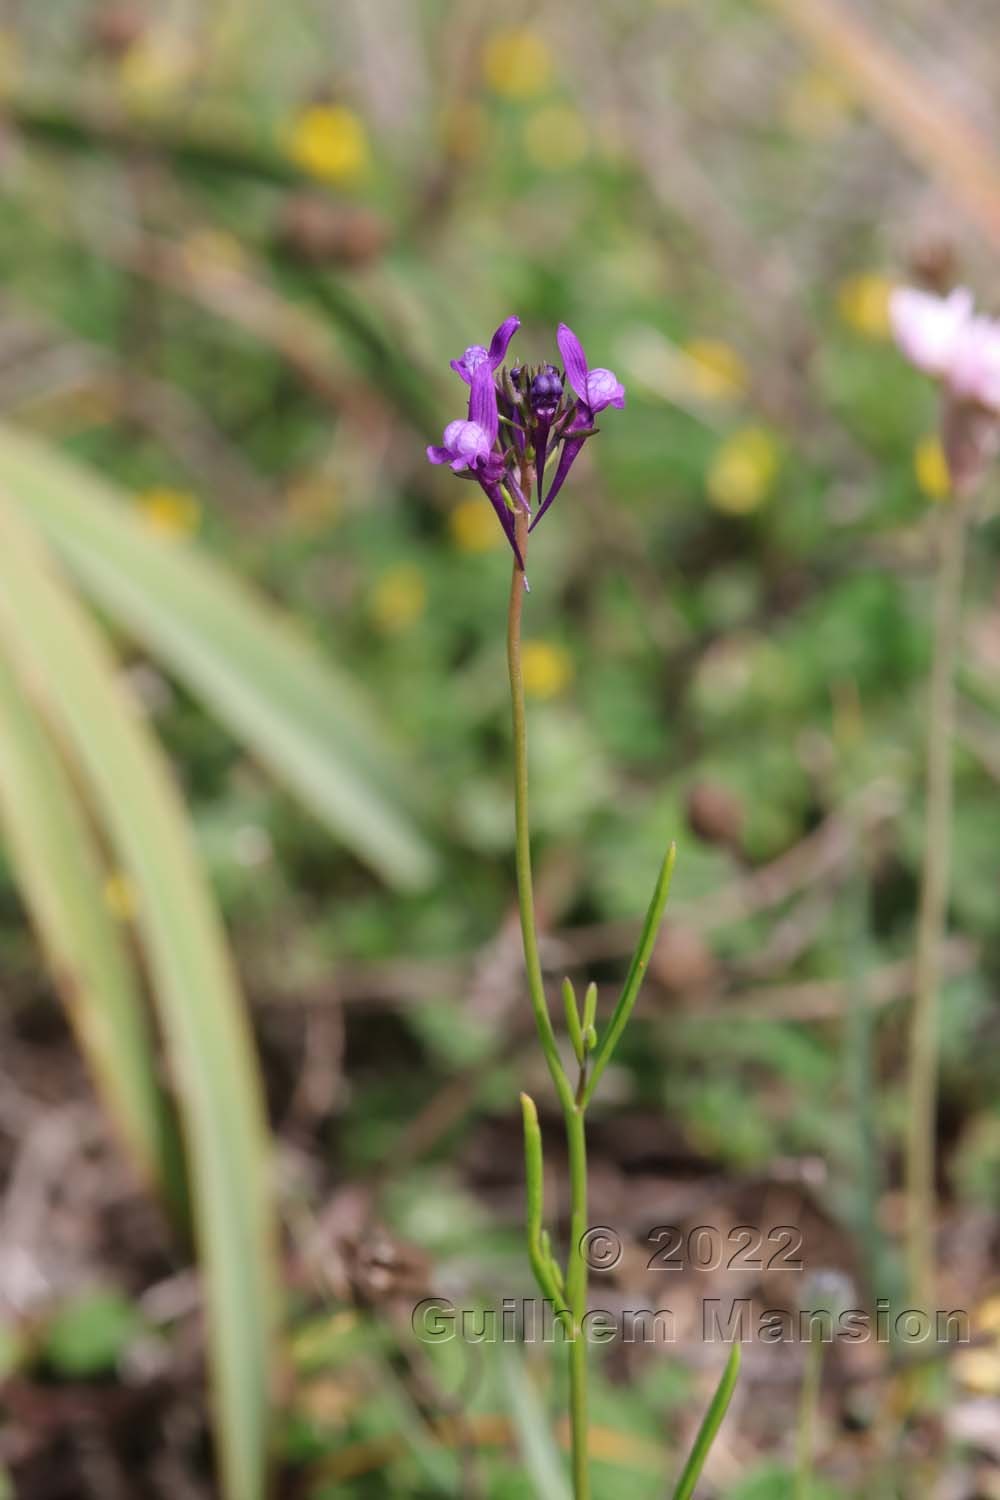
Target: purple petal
[(467, 366), (439, 455), (483, 402), (500, 341), (567, 458), (574, 360), (604, 389)]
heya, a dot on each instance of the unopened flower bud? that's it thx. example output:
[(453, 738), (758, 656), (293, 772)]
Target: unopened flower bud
[(546, 390)]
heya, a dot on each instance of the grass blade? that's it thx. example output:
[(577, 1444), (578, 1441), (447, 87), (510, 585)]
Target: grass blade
[(309, 725), (542, 1459), (54, 643), (708, 1431), (60, 875)]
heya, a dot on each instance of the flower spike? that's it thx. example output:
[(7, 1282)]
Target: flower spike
[(520, 420)]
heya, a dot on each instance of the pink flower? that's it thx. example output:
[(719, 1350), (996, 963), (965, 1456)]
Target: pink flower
[(975, 368), (943, 337), (927, 328)]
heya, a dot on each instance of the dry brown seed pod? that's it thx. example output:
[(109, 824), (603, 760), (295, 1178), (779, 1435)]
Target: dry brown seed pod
[(715, 814)]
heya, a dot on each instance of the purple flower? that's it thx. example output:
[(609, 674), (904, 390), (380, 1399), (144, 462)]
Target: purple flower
[(469, 444), (596, 389), (524, 415), (476, 355), (469, 447)]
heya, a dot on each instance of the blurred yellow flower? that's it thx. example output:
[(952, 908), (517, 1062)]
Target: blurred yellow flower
[(330, 142), (399, 599), (517, 63), (546, 668), (119, 896), (978, 1370), (172, 514), (743, 471), (931, 468), (863, 303), (474, 527), (714, 370), (556, 137), (818, 104), (988, 1316)]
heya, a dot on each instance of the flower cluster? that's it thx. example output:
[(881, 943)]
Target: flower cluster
[(946, 338), (522, 421)]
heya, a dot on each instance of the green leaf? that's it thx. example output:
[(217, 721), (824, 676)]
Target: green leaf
[(59, 870), (55, 645), (270, 686), (635, 975), (542, 1459), (709, 1429)]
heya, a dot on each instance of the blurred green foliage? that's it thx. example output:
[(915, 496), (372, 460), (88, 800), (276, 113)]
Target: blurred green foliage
[(238, 259)]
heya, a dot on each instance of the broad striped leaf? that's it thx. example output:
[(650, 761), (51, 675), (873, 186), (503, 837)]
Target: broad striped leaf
[(250, 666), (61, 877), (56, 646)]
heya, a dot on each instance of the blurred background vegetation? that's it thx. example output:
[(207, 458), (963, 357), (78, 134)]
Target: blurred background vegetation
[(241, 242)]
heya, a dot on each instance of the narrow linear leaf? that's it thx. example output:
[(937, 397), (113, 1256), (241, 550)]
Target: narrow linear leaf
[(54, 644), (309, 724), (708, 1431), (573, 1019), (546, 1271), (60, 874), (635, 975)]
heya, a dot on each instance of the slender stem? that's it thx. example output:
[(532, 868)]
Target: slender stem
[(808, 1404), (922, 1109), (576, 1296), (576, 1268), (522, 836)]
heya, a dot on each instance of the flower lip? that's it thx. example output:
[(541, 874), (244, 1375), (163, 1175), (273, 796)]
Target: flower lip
[(604, 389), (468, 441), (476, 355), (467, 366)]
